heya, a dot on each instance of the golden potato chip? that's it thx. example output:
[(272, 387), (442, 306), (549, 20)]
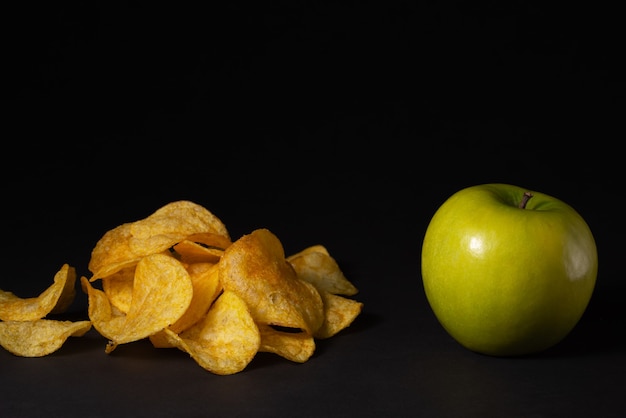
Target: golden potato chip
[(39, 337), (225, 341), (211, 240), (181, 218), (192, 252), (162, 292), (294, 346), (255, 268), (160, 340), (123, 246), (107, 319), (339, 313), (171, 224), (206, 288), (112, 252), (66, 274), (316, 266), (118, 288), (55, 299)]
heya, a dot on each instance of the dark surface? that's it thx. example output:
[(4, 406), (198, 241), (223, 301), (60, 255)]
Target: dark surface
[(345, 126)]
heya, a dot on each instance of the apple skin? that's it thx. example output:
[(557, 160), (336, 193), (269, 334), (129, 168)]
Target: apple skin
[(504, 280)]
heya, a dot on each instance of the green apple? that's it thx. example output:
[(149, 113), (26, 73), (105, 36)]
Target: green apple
[(508, 271)]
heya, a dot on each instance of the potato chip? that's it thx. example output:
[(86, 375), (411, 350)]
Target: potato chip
[(316, 266), (39, 337), (162, 292), (255, 268), (211, 240), (181, 219), (206, 288), (118, 288), (339, 313), (171, 224), (55, 299), (112, 252), (294, 346), (225, 341), (66, 274), (191, 252), (125, 245)]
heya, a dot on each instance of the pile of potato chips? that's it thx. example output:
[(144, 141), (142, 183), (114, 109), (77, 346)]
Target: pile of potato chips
[(177, 279)]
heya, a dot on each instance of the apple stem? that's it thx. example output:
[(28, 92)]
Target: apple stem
[(525, 199)]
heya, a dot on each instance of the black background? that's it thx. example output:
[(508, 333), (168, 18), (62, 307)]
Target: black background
[(345, 125)]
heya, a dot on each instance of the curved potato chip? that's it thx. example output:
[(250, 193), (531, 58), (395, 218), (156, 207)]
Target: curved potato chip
[(206, 288), (297, 347), (66, 298), (110, 250), (339, 313), (104, 317), (191, 252), (40, 337), (320, 269), (129, 263), (55, 299), (225, 341), (212, 240), (159, 231), (118, 288), (162, 292), (113, 268), (173, 223), (181, 217), (255, 268)]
